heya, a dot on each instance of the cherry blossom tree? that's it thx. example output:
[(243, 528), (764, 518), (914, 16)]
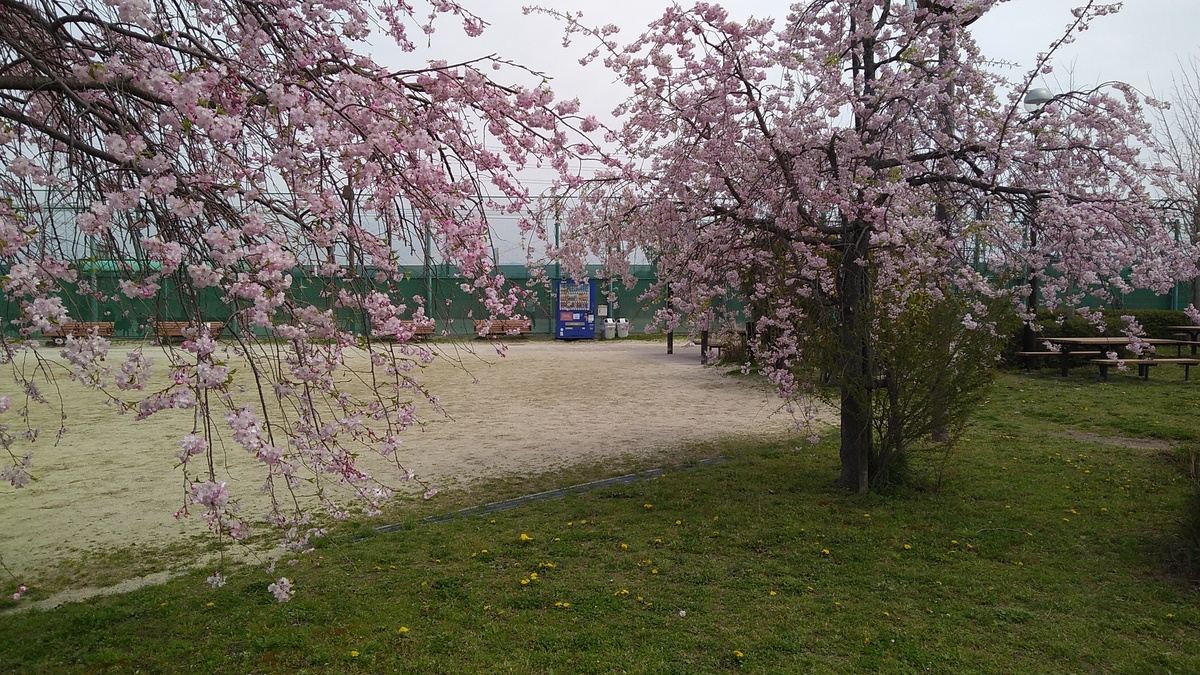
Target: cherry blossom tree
[(223, 145), (854, 168)]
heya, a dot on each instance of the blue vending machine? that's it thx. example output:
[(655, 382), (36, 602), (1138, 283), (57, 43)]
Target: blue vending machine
[(576, 310)]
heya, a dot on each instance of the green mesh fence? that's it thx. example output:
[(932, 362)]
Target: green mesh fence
[(453, 308)]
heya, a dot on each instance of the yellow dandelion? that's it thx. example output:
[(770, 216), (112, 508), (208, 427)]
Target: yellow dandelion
[(524, 582), (624, 546), (653, 571), (772, 592), (404, 629), (354, 653), (824, 551), (738, 654), (525, 537), (533, 576), (648, 506), (208, 604), (583, 522), (907, 547)]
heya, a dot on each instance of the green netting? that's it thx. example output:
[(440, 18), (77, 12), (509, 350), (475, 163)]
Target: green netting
[(453, 308)]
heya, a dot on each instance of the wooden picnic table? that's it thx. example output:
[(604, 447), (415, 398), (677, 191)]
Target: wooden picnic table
[(1104, 344), (1193, 333)]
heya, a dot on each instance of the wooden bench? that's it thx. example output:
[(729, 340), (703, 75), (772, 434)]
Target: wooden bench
[(735, 340), (59, 334), (165, 330), (1026, 357), (1187, 342), (421, 329), (416, 330), (501, 327), (1144, 365)]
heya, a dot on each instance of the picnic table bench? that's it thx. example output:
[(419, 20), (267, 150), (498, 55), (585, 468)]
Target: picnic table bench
[(59, 334), (501, 327), (1027, 357), (1144, 365), (1105, 344), (165, 330)]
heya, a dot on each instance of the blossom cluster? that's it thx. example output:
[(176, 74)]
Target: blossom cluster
[(214, 155)]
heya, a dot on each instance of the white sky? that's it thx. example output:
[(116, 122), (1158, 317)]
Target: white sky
[(1142, 45)]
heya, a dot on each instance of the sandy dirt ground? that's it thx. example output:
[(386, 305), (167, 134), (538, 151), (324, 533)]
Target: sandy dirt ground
[(109, 482)]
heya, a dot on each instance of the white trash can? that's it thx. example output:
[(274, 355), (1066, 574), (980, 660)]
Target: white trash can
[(610, 329), (622, 328)]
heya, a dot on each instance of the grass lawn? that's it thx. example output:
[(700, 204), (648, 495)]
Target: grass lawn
[(1049, 548)]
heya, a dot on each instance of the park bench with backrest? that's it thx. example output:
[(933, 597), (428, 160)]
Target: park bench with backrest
[(420, 329), (502, 327), (166, 330), (58, 335)]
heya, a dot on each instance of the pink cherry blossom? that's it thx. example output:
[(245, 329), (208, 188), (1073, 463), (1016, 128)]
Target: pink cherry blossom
[(281, 589), (808, 175)]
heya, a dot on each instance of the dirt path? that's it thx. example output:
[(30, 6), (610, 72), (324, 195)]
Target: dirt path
[(547, 404)]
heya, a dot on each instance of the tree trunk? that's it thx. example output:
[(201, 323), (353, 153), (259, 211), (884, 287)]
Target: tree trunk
[(853, 362)]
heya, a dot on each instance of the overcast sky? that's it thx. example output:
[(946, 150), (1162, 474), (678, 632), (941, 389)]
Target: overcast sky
[(1142, 45)]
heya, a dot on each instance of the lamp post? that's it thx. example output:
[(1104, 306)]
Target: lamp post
[(1035, 100)]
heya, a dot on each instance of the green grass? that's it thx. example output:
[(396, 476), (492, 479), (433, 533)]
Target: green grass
[(1044, 551)]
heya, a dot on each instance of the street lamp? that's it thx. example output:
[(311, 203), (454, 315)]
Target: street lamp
[(1035, 100)]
